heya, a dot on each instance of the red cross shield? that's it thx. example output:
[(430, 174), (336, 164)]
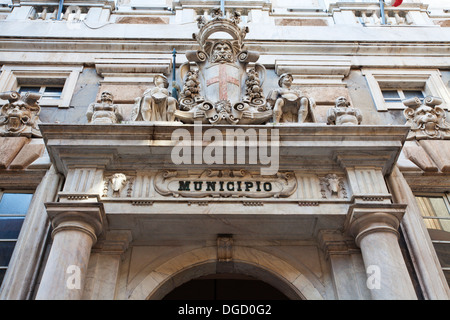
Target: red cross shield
[(222, 82)]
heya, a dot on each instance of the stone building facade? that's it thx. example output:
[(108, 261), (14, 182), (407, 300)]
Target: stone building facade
[(258, 149)]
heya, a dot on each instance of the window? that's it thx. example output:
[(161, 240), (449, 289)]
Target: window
[(13, 208), (390, 86), (435, 210), (47, 92), (55, 83), (398, 95)]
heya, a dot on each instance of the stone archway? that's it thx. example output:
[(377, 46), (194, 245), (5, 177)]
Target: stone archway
[(293, 283)]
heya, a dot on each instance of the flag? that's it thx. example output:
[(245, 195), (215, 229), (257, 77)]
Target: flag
[(394, 3)]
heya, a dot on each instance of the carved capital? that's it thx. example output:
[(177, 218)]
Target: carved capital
[(364, 219), (87, 217)]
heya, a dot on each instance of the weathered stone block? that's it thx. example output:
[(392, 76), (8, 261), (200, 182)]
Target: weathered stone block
[(439, 151), (27, 155), (9, 148)]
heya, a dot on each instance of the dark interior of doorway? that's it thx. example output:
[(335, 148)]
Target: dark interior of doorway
[(225, 287)]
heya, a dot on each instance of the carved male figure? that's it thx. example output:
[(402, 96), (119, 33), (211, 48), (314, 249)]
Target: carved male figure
[(105, 111), (290, 105), (156, 103), (20, 116), (343, 113)]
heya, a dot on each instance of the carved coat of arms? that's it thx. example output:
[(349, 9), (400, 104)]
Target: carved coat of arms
[(219, 85)]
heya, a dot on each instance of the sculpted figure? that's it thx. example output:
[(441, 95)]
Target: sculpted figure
[(426, 119), (343, 113), (20, 116), (156, 103), (288, 104), (105, 111)]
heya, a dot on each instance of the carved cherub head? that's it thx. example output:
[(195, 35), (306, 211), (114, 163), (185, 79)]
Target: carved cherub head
[(20, 116), (426, 119)]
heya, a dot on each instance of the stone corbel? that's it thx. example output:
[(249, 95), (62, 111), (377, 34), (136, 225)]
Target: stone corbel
[(334, 242), (114, 242)]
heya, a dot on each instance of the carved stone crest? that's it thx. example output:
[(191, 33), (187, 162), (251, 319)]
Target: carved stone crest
[(20, 116), (215, 77)]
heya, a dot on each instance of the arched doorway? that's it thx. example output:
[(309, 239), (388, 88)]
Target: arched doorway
[(294, 283), (225, 286)]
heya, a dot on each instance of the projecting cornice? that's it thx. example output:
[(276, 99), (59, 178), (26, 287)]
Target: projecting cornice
[(140, 146), (37, 41)]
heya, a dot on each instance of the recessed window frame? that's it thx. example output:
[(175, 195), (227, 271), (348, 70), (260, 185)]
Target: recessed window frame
[(12, 77), (427, 80)]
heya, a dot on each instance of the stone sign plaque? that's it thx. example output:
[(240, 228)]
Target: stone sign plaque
[(225, 183)]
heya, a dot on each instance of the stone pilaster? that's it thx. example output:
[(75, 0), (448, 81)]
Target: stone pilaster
[(76, 227), (346, 266), (374, 227)]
